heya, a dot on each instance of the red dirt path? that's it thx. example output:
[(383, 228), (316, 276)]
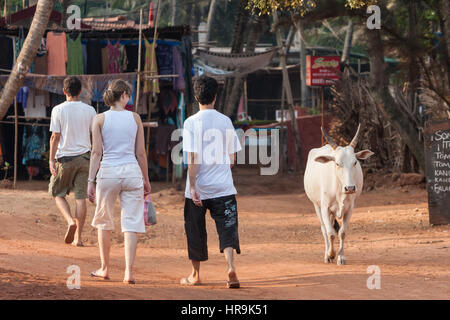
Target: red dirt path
[(281, 242)]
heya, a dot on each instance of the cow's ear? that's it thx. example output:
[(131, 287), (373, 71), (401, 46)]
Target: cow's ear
[(324, 159), (364, 154)]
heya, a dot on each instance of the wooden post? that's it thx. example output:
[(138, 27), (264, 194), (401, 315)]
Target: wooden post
[(245, 100), (283, 156), (323, 122), (150, 104), (16, 125), (16, 133), (138, 80)]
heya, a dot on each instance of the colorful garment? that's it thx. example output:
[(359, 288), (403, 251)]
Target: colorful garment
[(57, 53), (105, 60), (114, 65), (150, 85), (74, 55), (123, 59), (178, 83)]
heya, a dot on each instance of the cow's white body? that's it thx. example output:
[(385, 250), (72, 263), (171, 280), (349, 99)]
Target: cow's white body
[(324, 184)]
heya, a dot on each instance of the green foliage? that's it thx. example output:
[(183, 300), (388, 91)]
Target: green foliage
[(297, 6)]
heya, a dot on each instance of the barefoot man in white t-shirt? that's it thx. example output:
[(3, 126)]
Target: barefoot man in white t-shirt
[(70, 146), (211, 142)]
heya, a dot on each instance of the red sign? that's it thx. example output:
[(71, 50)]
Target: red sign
[(322, 71)]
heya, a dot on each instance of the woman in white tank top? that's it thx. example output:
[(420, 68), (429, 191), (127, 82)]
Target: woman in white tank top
[(119, 164)]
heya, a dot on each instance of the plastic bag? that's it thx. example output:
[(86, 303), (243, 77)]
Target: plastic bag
[(149, 212)]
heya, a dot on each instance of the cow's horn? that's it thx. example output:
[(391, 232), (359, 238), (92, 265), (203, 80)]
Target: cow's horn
[(355, 138), (329, 139)]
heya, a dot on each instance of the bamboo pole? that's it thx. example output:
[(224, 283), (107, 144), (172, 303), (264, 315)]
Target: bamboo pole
[(150, 104), (16, 125), (245, 100), (138, 80), (323, 122)]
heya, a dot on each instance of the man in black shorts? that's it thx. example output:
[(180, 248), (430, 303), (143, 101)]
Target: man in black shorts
[(211, 144)]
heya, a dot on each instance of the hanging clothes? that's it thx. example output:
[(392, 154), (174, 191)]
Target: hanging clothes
[(123, 59), (132, 54), (84, 50), (165, 61), (130, 104), (93, 85), (74, 55), (94, 57), (114, 64), (178, 83), (19, 42), (105, 60), (186, 56), (38, 100), (22, 97), (7, 56), (57, 53), (40, 64), (150, 85), (34, 144)]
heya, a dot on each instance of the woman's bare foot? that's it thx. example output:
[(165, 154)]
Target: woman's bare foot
[(100, 273)]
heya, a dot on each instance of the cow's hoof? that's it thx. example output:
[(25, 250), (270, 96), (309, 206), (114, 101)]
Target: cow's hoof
[(341, 260), (328, 260)]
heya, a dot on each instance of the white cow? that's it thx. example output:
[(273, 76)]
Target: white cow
[(333, 180)]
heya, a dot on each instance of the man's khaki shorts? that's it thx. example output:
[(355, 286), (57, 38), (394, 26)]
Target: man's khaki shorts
[(71, 175)]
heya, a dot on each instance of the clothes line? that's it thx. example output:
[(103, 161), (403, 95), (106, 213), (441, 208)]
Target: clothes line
[(27, 123), (135, 42), (25, 117)]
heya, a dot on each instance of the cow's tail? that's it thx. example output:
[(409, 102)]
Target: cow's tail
[(336, 225)]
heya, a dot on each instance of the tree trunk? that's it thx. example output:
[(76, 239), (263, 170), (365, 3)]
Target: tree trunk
[(173, 13), (212, 8), (236, 90), (237, 46), (444, 21), (347, 42), (413, 71), (379, 82), (304, 89), (27, 54)]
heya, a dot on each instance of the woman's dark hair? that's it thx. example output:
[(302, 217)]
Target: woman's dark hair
[(72, 86), (115, 90), (205, 89)]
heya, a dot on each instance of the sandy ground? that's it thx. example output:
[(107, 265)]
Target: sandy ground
[(281, 242)]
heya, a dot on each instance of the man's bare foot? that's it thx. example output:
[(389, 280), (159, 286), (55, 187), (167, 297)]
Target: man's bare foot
[(233, 281), (76, 243), (70, 233), (190, 281)]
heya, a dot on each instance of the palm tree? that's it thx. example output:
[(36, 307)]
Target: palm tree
[(28, 52)]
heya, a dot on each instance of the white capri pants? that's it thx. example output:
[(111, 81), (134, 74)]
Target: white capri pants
[(125, 181)]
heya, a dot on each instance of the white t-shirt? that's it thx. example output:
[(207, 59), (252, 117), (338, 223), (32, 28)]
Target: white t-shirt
[(73, 119), (211, 134)]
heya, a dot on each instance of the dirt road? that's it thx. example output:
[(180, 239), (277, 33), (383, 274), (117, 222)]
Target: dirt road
[(281, 242)]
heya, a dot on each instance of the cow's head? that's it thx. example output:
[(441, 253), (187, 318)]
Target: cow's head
[(345, 160)]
